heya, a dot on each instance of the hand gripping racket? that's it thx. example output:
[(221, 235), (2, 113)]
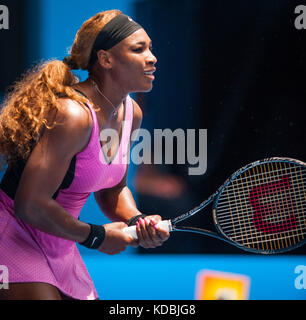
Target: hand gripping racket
[(260, 208)]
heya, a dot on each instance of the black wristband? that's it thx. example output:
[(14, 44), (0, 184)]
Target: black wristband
[(95, 238), (134, 220)]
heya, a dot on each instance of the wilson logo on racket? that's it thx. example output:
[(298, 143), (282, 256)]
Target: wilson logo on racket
[(260, 208), (276, 195)]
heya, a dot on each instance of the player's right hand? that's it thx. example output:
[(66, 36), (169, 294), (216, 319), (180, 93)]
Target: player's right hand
[(116, 240)]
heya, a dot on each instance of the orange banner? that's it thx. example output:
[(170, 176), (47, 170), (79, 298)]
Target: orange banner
[(214, 285)]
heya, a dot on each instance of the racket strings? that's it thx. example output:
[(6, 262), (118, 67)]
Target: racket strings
[(265, 206), (298, 180), (227, 223), (267, 198), (278, 241), (294, 233), (242, 189), (271, 214), (247, 230), (275, 235), (267, 242), (262, 176), (267, 202)]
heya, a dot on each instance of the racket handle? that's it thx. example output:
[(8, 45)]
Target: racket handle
[(164, 224)]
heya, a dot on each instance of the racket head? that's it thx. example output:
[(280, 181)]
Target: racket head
[(261, 207)]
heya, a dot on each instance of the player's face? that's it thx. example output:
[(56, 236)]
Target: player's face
[(134, 62)]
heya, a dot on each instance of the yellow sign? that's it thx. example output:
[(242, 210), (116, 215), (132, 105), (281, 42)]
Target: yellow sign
[(213, 285)]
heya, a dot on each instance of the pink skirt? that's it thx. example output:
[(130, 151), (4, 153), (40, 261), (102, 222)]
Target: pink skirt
[(34, 256)]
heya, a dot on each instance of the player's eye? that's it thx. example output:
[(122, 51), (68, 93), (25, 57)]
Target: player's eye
[(139, 49)]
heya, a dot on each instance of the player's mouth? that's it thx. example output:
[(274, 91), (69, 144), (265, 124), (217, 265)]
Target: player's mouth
[(149, 73)]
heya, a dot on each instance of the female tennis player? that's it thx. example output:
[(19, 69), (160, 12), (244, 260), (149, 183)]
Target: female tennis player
[(50, 129)]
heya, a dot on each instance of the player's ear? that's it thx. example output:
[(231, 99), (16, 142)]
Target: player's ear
[(104, 59)]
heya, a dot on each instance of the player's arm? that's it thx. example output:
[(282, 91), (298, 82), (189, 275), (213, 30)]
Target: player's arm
[(118, 204), (44, 173)]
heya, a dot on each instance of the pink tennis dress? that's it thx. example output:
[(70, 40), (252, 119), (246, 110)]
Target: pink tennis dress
[(34, 256)]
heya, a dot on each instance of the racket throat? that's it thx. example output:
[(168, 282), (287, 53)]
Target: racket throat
[(200, 231)]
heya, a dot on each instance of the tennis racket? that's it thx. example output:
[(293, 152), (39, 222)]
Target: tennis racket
[(260, 208)]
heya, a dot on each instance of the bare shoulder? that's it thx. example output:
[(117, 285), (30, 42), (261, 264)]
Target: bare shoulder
[(73, 123), (51, 157), (73, 114), (137, 119)]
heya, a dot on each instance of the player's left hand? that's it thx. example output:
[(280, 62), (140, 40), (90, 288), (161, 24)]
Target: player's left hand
[(149, 234)]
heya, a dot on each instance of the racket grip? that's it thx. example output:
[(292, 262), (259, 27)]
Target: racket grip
[(164, 224)]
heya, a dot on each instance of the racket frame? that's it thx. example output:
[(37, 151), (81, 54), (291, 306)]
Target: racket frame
[(221, 235)]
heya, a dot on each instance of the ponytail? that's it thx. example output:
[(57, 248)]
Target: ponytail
[(26, 108), (71, 63)]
